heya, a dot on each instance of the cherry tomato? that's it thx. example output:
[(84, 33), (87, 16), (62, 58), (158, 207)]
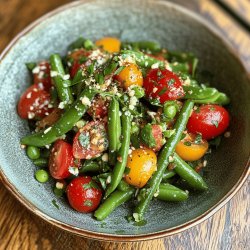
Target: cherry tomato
[(163, 84), (84, 195), (110, 44), (209, 120), (130, 75), (90, 141), (60, 160), (191, 148), (98, 108), (79, 59), (141, 165), (34, 103), (42, 77)]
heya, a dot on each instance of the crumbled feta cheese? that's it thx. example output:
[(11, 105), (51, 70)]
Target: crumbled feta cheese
[(66, 77), (29, 95), (74, 170), (53, 73), (105, 157), (36, 70), (47, 130), (86, 101), (61, 105), (155, 89), (31, 115), (155, 66), (171, 158), (59, 185)]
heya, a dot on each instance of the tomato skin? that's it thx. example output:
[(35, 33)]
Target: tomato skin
[(43, 77), (163, 84), (61, 158), (209, 120), (142, 164), (34, 103), (191, 151), (110, 44), (96, 140), (98, 108), (82, 195)]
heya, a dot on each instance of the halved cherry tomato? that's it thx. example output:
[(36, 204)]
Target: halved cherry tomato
[(190, 148), (79, 57), (43, 76), (141, 165), (34, 103), (61, 159), (98, 108), (130, 75), (163, 84), (84, 194), (90, 141), (209, 120), (110, 44)]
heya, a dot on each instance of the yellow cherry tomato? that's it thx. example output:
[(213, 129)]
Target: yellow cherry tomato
[(191, 149), (142, 164), (110, 44), (130, 75)]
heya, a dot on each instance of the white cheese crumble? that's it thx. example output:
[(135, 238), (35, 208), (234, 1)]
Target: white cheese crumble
[(105, 157), (36, 70), (53, 73), (47, 130), (74, 170), (155, 66), (85, 101), (59, 185)]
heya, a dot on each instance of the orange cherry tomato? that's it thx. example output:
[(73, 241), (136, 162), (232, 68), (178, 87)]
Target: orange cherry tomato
[(110, 44), (142, 164), (130, 75), (190, 148)]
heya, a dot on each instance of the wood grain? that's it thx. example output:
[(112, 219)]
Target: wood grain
[(19, 229)]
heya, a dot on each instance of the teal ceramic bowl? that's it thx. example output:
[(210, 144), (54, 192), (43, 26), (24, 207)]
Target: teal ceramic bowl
[(175, 28)]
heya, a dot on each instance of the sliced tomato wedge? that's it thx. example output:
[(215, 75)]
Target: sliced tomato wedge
[(163, 84), (98, 108), (34, 103), (90, 141), (42, 76), (61, 159)]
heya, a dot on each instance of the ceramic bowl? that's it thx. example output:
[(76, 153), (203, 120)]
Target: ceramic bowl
[(175, 28)]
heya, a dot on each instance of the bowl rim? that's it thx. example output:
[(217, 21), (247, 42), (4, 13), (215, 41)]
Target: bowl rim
[(118, 237)]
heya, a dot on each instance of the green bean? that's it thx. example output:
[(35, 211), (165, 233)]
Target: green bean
[(33, 152), (92, 166), (81, 43), (168, 174), (187, 173), (180, 67), (139, 91), (123, 186), (112, 202), (114, 129), (142, 45), (163, 159), (62, 88), (41, 162), (63, 125), (42, 175), (122, 154), (192, 92), (168, 192)]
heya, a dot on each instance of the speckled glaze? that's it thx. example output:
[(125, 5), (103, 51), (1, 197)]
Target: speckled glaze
[(175, 28)]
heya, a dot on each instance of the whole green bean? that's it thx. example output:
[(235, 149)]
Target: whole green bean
[(63, 125), (187, 173), (62, 85), (112, 202), (122, 154), (41, 162), (192, 92), (168, 174), (163, 159), (168, 192), (114, 129)]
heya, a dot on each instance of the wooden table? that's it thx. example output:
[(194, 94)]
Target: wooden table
[(227, 229)]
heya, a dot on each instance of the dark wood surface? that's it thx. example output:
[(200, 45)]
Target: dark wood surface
[(20, 229)]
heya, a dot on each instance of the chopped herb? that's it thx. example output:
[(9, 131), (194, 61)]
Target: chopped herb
[(147, 136), (171, 82), (169, 133), (198, 139), (88, 44), (110, 68), (30, 66), (155, 102), (91, 184), (183, 136), (187, 143), (99, 78), (90, 68), (118, 71), (88, 203), (55, 204), (84, 140), (127, 170), (163, 91), (83, 59), (215, 123)]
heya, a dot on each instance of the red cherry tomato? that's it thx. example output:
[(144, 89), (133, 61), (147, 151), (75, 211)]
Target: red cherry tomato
[(60, 160), (208, 120), (34, 103), (98, 108), (84, 194), (43, 76), (163, 84), (79, 58), (90, 141)]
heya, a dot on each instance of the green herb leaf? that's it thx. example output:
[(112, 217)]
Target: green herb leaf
[(147, 136), (163, 91), (187, 143), (30, 66), (118, 71), (91, 184), (55, 204), (88, 203), (215, 123), (198, 139), (169, 133)]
